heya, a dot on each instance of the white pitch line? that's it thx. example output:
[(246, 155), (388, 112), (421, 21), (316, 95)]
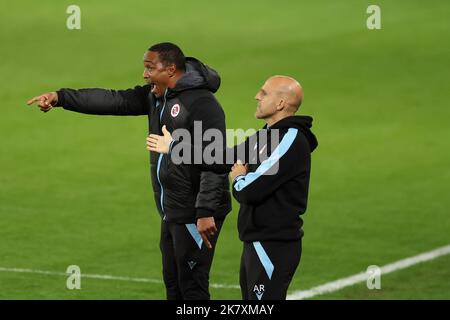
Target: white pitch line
[(106, 277), (362, 276), (296, 295)]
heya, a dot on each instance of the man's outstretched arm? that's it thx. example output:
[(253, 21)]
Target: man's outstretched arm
[(97, 101)]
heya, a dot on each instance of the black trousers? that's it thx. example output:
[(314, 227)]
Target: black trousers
[(186, 261), (267, 268)]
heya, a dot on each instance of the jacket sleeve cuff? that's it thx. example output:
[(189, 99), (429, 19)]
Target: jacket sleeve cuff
[(171, 146), (239, 177), (204, 213), (60, 94)]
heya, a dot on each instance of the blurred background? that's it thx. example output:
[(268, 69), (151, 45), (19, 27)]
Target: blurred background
[(75, 189)]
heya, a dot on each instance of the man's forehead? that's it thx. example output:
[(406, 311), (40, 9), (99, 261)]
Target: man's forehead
[(151, 57), (267, 85)]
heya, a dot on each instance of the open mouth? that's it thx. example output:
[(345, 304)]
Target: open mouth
[(154, 88)]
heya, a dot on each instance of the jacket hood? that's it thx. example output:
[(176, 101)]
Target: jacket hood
[(303, 123), (197, 76)]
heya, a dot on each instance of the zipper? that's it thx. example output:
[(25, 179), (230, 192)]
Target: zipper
[(159, 163), (164, 105)]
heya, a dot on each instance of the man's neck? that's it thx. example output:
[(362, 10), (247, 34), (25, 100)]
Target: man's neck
[(275, 118), (173, 81)]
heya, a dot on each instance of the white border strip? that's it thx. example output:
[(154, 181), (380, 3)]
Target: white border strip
[(362, 276), (106, 277)]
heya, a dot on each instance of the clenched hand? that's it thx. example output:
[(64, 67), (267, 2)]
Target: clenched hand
[(238, 169)]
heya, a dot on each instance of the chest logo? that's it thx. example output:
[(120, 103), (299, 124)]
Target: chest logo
[(175, 110)]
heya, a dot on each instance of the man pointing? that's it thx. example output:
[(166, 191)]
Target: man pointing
[(192, 203)]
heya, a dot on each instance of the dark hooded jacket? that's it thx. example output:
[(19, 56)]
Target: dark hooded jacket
[(274, 193), (183, 193)]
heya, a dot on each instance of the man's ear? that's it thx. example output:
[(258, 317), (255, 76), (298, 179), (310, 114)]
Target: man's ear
[(281, 104), (171, 70)]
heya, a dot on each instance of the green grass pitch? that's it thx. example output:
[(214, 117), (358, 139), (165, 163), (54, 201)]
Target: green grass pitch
[(75, 189)]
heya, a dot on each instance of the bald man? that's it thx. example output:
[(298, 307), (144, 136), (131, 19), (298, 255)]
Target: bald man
[(272, 190)]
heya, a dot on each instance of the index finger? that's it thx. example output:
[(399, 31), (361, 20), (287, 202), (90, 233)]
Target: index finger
[(206, 240), (33, 100)]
